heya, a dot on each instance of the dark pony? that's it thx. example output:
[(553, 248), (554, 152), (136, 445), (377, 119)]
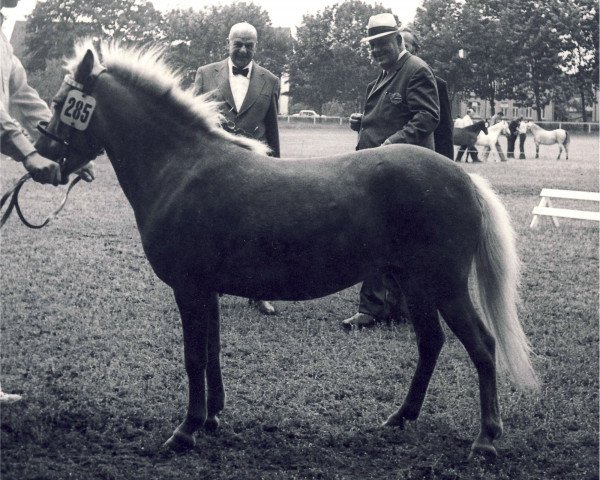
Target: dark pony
[(216, 215)]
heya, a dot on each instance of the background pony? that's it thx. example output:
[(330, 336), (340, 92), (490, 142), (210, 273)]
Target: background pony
[(465, 138), (549, 137), (488, 140)]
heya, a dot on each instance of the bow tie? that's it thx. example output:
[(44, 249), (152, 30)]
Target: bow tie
[(240, 71)]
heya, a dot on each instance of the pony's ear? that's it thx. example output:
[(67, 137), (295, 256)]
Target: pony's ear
[(85, 67)]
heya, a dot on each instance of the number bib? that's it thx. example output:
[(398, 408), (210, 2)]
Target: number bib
[(77, 110)]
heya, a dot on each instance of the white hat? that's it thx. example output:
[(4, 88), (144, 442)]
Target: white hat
[(380, 25)]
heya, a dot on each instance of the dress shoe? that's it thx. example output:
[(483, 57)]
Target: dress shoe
[(9, 397), (358, 321), (263, 307)]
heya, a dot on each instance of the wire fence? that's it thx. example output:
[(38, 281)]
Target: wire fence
[(573, 127)]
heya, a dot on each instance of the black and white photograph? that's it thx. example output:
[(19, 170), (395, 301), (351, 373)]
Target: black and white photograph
[(329, 240)]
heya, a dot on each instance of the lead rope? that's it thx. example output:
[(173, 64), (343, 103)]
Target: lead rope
[(13, 194)]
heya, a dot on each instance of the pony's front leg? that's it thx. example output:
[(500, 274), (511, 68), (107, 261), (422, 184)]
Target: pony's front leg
[(199, 313)]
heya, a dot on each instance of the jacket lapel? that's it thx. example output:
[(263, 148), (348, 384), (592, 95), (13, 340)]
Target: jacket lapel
[(222, 74), (257, 80), (390, 75)]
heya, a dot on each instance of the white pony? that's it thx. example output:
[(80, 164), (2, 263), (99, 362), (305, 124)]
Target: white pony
[(489, 141), (549, 137)]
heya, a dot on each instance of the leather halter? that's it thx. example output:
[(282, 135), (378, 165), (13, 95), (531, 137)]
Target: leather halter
[(95, 148)]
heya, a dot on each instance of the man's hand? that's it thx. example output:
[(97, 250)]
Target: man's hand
[(355, 121), (42, 169), (86, 172)]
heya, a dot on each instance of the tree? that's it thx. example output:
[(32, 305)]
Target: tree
[(54, 25), (200, 37), (486, 55), (579, 52), (437, 24), (330, 63), (532, 74)]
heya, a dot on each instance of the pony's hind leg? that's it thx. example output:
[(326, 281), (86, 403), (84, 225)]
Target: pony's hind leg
[(430, 340), (463, 320), (215, 398)]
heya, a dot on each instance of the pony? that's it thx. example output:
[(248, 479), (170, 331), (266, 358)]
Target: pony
[(216, 215), (549, 137), (488, 140), (465, 137)]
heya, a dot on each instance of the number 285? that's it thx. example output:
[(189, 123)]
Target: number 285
[(78, 110)]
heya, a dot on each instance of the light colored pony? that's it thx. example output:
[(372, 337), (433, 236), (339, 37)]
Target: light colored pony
[(549, 137), (489, 141)]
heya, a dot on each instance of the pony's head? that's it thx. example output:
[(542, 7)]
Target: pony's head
[(65, 137), (73, 134)]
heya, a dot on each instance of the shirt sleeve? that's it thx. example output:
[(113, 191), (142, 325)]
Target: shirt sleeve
[(27, 108)]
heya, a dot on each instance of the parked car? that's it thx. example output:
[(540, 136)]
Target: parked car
[(306, 113)]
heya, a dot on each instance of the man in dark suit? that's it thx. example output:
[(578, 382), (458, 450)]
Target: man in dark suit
[(402, 106), (443, 133), (249, 96)]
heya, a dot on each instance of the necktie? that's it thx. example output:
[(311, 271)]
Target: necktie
[(240, 71)]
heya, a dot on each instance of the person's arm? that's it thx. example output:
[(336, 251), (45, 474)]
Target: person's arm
[(271, 125), (423, 102), (25, 103)]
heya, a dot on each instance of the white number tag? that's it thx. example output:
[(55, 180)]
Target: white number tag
[(77, 110)]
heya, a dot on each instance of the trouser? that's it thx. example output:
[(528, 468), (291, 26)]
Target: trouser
[(512, 138), (522, 137), (381, 297), (471, 150)]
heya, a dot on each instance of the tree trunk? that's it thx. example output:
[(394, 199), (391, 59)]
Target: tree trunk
[(583, 111)]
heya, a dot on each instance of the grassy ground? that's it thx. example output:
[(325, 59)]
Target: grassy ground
[(92, 340)]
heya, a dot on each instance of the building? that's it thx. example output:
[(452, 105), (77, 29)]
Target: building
[(509, 108)]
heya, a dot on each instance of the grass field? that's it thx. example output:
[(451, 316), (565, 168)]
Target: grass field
[(92, 340)]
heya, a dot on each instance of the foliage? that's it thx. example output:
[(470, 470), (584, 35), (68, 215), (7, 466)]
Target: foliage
[(579, 55), (54, 25), (534, 43), (199, 37), (335, 108), (47, 81), (329, 61), (438, 26)]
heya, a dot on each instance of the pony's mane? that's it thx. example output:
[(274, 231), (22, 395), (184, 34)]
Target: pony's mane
[(146, 68)]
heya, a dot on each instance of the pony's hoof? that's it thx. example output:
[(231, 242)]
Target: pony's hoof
[(179, 443), (212, 424), (395, 420), (486, 450)]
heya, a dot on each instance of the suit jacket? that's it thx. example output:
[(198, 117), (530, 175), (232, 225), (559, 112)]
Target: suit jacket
[(402, 107), (257, 117), (445, 129)]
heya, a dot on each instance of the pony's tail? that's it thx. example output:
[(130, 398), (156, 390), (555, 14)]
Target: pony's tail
[(497, 269), (567, 139)]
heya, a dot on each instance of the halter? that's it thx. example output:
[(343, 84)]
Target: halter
[(95, 148)]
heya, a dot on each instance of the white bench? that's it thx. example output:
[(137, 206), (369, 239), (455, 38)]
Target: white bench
[(545, 206)]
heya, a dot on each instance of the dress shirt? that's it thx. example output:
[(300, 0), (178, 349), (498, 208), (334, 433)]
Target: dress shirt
[(239, 84)]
